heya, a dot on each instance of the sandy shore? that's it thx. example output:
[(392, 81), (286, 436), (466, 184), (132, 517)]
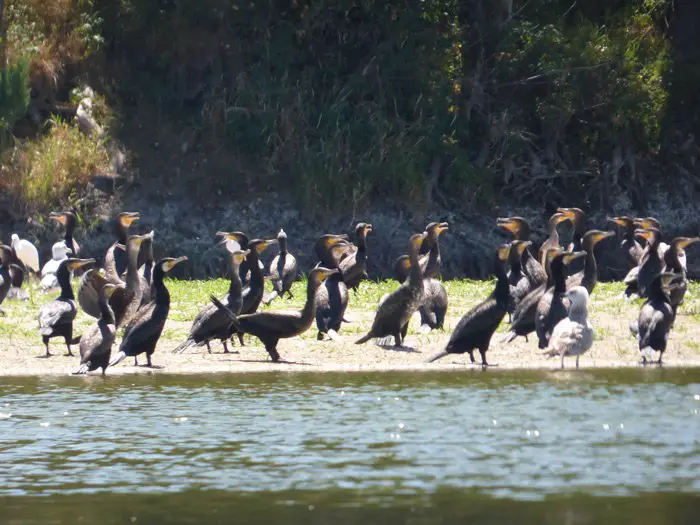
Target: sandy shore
[(614, 347)]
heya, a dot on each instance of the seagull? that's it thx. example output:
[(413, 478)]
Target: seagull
[(59, 252), (26, 252), (573, 335)]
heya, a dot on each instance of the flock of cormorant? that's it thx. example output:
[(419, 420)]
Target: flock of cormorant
[(544, 291)]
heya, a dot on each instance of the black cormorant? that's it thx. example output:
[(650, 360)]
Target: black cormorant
[(69, 220), (633, 250), (126, 299), (476, 327), (430, 258), (395, 311), (578, 219), (211, 323), (5, 277), (553, 240), (331, 303), (115, 257), (353, 267), (96, 342), (56, 317), (674, 260), (270, 327), (638, 279), (655, 318), (519, 283), (282, 271), (144, 329), (519, 228), (588, 275)]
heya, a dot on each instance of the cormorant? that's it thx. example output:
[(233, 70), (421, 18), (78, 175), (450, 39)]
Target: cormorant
[(239, 241), (429, 257), (59, 253), (394, 313), (96, 342), (519, 283), (115, 258), (655, 318), (573, 335), (146, 267), (5, 277), (433, 308), (323, 249), (16, 281), (56, 318), (638, 279), (588, 275), (253, 292), (144, 330), (675, 264), (629, 243), (282, 271), (270, 327), (553, 240), (550, 307), (476, 327), (353, 266), (69, 220), (211, 323), (331, 303), (524, 315), (519, 228), (126, 299), (578, 219)]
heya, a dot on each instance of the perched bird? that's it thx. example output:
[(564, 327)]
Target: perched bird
[(239, 241), (323, 248), (633, 250), (550, 307), (115, 258), (519, 283), (519, 228), (331, 303), (573, 335), (588, 275), (126, 299), (5, 277), (270, 327), (59, 253), (26, 253), (252, 293), (353, 265), (476, 327), (674, 260), (146, 264), (524, 314), (395, 311), (433, 308), (282, 271), (211, 323), (578, 219), (638, 279), (70, 221), (430, 258), (56, 318), (553, 240), (96, 342), (145, 328), (655, 318)]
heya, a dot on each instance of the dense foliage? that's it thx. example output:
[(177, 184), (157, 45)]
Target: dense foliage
[(419, 99)]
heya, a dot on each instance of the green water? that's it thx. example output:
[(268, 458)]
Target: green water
[(440, 447)]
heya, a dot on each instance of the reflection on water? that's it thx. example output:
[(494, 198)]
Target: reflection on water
[(274, 445)]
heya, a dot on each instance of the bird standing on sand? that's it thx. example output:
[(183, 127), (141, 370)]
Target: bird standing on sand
[(56, 318), (96, 342), (573, 335), (655, 319), (270, 327), (282, 271), (477, 326), (145, 328), (395, 311)]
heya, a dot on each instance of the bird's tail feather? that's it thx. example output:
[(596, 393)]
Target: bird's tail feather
[(183, 346), (509, 337), (76, 340), (364, 339), (117, 359), (221, 306), (439, 355)]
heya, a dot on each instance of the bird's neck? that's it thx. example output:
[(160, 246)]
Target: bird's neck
[(559, 274), (502, 290), (256, 274), (235, 285), (416, 274), (132, 271), (309, 310), (106, 313), (63, 278), (161, 291)]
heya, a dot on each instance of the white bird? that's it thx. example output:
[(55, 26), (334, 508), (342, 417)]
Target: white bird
[(573, 335), (59, 252), (26, 252)]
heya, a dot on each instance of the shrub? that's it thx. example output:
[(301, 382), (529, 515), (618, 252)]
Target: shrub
[(49, 172), (14, 94)]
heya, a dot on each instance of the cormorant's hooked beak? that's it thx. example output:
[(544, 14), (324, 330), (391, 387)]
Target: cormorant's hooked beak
[(127, 218), (643, 233), (443, 227), (79, 263), (171, 263), (602, 235), (570, 257), (58, 217), (621, 221), (684, 242)]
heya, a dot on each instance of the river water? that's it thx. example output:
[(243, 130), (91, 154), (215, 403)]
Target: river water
[(432, 447)]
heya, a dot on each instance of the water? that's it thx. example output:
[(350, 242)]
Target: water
[(439, 447)]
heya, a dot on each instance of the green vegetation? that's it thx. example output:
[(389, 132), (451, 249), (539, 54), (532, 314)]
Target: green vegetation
[(435, 100)]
